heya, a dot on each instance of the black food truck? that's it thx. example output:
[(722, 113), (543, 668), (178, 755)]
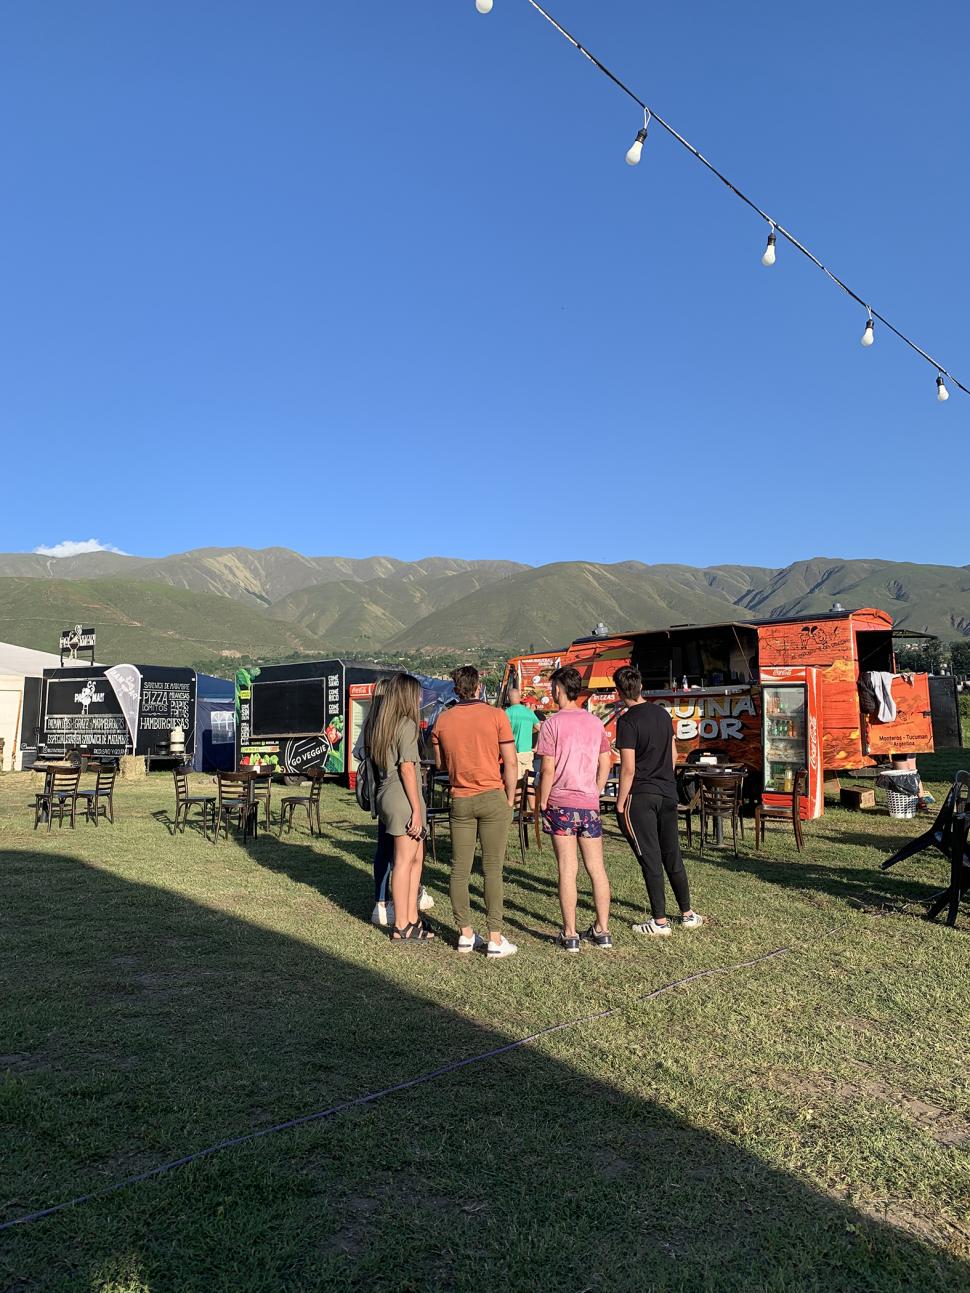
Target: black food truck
[(110, 712), (294, 716)]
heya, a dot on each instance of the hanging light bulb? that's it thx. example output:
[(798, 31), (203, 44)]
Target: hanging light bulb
[(868, 336), (483, 6), (769, 257), (942, 394), (635, 151)]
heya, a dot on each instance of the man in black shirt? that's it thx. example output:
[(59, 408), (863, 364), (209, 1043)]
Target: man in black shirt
[(647, 801)]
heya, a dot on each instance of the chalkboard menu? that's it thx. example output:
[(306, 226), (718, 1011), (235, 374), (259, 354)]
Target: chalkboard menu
[(126, 709)]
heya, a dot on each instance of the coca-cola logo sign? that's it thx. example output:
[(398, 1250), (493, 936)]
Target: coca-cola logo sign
[(309, 752)]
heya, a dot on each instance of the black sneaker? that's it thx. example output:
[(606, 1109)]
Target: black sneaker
[(568, 943), (599, 940)]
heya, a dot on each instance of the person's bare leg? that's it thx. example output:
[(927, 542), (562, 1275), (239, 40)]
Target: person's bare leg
[(564, 847), (596, 870), (402, 889), (416, 868)]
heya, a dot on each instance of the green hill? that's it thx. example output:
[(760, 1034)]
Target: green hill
[(144, 622), (366, 616), (273, 602), (928, 599), (258, 576), (551, 605)]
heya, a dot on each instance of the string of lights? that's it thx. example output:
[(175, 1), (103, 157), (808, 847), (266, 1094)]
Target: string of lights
[(775, 230)]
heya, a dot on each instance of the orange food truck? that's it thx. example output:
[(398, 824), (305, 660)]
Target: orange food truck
[(775, 694)]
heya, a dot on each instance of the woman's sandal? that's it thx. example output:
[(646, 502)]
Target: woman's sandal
[(416, 932)]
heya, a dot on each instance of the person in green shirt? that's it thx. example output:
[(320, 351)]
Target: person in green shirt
[(525, 724)]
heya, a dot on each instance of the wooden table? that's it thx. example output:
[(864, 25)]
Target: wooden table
[(255, 776)]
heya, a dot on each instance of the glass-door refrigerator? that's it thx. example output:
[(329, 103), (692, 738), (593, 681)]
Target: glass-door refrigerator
[(791, 734)]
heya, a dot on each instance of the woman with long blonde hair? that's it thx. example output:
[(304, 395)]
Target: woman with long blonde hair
[(393, 744)]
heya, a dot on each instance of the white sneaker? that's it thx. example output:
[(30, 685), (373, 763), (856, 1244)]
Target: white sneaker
[(502, 948), (693, 921), (651, 927), (382, 915), (474, 944), (425, 901)]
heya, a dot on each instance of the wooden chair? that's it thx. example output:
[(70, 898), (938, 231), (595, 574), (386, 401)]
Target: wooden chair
[(262, 794), (184, 802), (59, 795), (720, 795), (100, 802), (764, 813), (310, 802), (235, 800), (686, 811), (525, 815)]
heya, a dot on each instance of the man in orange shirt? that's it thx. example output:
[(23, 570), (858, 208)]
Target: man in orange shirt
[(473, 741)]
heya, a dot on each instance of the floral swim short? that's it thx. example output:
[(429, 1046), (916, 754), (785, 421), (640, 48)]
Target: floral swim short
[(582, 822)]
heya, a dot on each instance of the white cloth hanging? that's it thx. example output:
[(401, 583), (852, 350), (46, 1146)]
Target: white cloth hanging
[(882, 687)]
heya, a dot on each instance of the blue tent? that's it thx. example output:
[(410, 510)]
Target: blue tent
[(215, 724), (438, 694)]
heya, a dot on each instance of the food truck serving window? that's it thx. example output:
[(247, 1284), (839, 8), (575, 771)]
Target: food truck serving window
[(291, 708)]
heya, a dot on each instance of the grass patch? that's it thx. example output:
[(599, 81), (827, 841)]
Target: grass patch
[(799, 1125)]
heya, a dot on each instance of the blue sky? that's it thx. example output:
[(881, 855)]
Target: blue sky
[(358, 278)]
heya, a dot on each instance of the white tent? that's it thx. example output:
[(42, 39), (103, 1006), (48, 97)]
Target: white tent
[(16, 664)]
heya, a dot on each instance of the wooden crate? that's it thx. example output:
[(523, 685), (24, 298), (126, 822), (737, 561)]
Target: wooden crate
[(849, 797)]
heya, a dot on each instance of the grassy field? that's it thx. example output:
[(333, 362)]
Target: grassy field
[(799, 1124)]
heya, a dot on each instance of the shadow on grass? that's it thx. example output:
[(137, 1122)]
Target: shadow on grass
[(848, 883), (326, 870), (151, 1026)]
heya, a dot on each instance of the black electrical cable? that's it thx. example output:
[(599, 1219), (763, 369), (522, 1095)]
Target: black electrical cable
[(372, 1096), (790, 237)]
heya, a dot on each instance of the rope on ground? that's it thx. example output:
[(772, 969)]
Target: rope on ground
[(373, 1096)]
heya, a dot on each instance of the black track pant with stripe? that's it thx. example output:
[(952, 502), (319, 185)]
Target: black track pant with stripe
[(654, 836)]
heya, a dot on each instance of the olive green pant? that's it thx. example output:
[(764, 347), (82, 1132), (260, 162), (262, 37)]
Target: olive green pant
[(484, 817)]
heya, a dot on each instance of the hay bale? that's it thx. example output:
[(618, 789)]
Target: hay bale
[(132, 767)]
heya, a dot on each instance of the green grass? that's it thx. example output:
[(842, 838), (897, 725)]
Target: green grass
[(802, 1124)]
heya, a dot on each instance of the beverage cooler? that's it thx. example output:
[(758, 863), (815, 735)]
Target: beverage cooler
[(791, 737)]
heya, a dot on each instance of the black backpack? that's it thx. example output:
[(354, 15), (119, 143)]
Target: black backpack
[(365, 787)]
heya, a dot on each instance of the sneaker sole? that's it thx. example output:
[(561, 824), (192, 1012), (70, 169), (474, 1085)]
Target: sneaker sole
[(649, 933), (500, 956)]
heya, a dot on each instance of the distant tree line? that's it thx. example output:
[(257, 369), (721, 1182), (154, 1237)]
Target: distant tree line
[(935, 656), (435, 664)]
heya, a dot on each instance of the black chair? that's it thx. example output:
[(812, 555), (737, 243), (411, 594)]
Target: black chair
[(720, 802), (437, 805), (959, 885), (184, 802), (58, 796), (100, 802), (764, 813), (235, 800), (310, 802)]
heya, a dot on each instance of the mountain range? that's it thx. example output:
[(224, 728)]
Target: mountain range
[(213, 603)]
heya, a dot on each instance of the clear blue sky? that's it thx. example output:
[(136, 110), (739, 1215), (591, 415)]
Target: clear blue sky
[(374, 277)]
